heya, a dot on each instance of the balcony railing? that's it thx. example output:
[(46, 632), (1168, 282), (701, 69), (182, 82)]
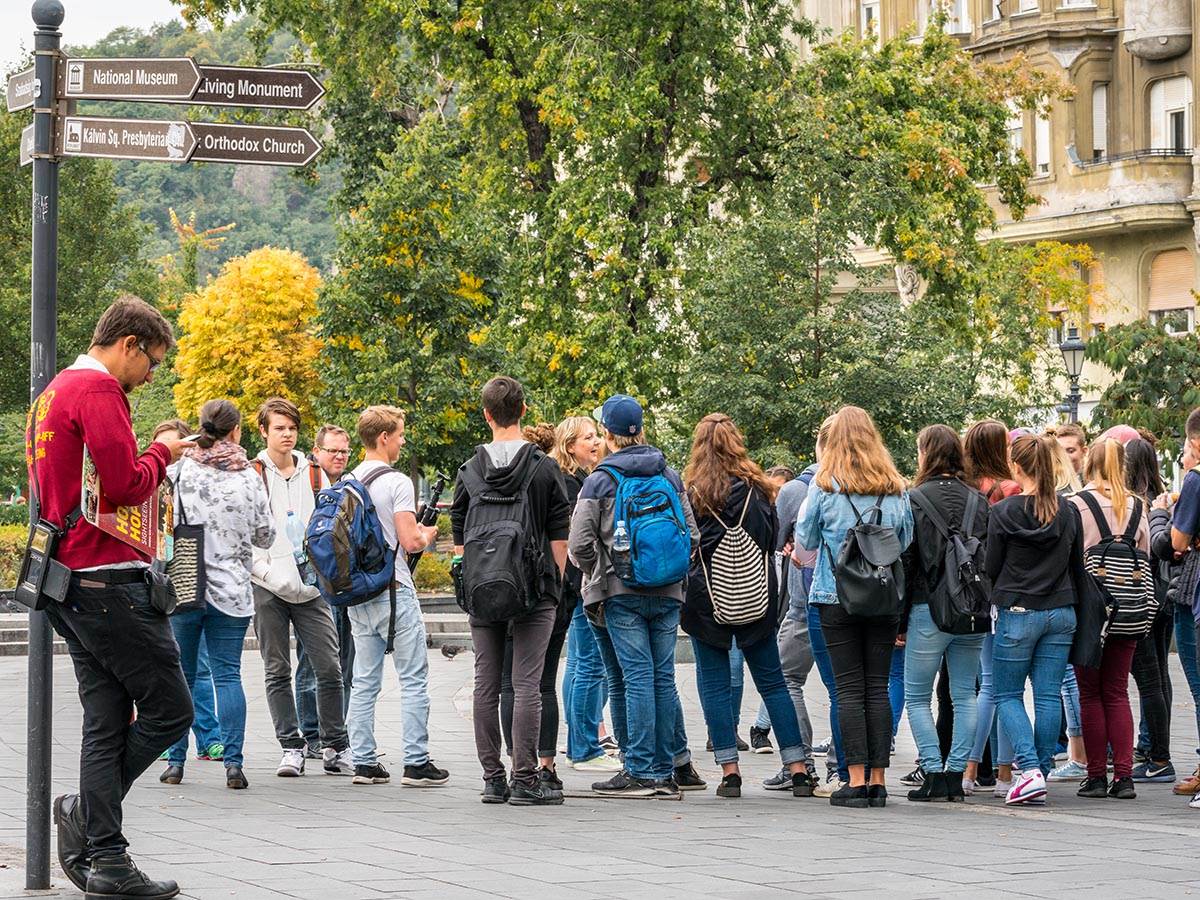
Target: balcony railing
[(1149, 153)]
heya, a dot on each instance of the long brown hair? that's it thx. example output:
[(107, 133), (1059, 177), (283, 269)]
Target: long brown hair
[(985, 452), (1105, 468), (941, 453), (718, 454), (1033, 454), (854, 458)]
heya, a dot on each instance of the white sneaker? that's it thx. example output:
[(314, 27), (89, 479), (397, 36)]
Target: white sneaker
[(827, 788), (292, 764), (1194, 803), (968, 787), (1029, 788), (338, 763), (602, 763), (1001, 789), (1069, 771)]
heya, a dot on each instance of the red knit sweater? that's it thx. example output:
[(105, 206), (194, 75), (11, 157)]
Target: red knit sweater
[(87, 406)]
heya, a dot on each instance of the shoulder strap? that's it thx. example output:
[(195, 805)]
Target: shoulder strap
[(935, 517), (746, 505), (1097, 514), (314, 477), (35, 490), (968, 520), (377, 474), (182, 508), (1135, 519), (857, 514)]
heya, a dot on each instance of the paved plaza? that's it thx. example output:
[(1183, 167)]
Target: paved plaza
[(321, 838)]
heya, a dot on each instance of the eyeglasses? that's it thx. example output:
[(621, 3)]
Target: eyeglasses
[(154, 363), (334, 452)]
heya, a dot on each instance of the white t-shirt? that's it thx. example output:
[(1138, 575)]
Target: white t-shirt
[(503, 453), (391, 494)]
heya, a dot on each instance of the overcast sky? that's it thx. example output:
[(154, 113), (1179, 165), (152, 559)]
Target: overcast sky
[(86, 21)]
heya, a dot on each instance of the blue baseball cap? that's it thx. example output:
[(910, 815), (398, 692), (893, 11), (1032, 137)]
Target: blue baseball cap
[(621, 415)]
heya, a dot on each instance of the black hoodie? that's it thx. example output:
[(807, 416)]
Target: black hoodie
[(548, 506), (1032, 565)]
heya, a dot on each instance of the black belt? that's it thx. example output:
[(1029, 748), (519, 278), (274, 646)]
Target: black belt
[(110, 576)]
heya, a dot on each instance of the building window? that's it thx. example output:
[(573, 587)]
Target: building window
[(1175, 321), (994, 10), (1041, 146), (1075, 4), (959, 12), (1171, 115), (869, 22), (1099, 120), (1058, 328), (1016, 130), (1029, 6), (1172, 303)]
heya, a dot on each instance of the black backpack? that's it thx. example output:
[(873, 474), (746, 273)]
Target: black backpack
[(868, 571), (960, 602), (504, 565), (1122, 571)]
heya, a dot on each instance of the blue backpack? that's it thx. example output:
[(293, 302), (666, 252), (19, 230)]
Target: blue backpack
[(660, 545), (346, 546)]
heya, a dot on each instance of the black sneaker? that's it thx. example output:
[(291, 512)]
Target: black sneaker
[(625, 785), (853, 797), (424, 775), (1122, 789), (609, 745), (533, 794), (666, 787), (117, 876), (1093, 789), (877, 796), (760, 740), (780, 781), (741, 744), (550, 780), (372, 774), (986, 780), (688, 779), (730, 786), (495, 790), (803, 784), (172, 775), (915, 778), (235, 778)]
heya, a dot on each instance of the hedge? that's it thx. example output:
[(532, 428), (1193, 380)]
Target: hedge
[(14, 514), (433, 573), (12, 548)]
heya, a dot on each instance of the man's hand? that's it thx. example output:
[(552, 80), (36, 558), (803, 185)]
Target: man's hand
[(901, 640), (1162, 501), (177, 447)]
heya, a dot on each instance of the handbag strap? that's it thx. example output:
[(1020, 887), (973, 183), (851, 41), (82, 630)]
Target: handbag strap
[(179, 495)]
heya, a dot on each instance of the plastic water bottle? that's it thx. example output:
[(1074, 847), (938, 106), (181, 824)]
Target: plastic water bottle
[(295, 534), (622, 546)]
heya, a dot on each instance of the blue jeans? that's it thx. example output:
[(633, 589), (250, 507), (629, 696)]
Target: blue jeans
[(1031, 644), (737, 681), (369, 626), (224, 636), (204, 726), (1070, 699), (825, 670), (925, 647), (713, 678), (1185, 645), (896, 688), (1001, 746), (583, 688), (643, 631)]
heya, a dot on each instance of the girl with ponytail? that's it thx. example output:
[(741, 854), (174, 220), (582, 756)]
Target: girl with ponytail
[(1104, 692), (1034, 559)]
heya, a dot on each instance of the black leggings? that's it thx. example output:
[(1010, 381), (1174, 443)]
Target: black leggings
[(548, 731), (1154, 682)]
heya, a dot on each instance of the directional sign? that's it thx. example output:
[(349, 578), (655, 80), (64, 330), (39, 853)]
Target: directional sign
[(238, 86), (253, 144), (172, 78), (21, 90), (26, 145), (126, 139)]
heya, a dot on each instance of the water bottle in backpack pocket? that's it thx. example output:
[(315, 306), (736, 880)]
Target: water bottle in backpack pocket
[(660, 546)]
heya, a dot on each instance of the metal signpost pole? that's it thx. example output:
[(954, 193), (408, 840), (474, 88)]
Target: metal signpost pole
[(47, 15)]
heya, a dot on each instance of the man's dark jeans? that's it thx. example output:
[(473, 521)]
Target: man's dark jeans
[(306, 679), (125, 655)]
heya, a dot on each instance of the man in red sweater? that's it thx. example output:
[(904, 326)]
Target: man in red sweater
[(123, 649)]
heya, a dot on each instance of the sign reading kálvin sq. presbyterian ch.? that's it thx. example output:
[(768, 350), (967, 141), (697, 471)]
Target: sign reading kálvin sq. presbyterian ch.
[(156, 139)]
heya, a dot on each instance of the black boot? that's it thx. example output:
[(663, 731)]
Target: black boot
[(933, 788), (172, 775), (72, 839), (954, 788), (117, 877)]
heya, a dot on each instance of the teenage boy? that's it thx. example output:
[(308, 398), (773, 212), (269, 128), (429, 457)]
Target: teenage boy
[(282, 599), (643, 623), (508, 467), (381, 430), (328, 460), (1073, 440), (121, 645)]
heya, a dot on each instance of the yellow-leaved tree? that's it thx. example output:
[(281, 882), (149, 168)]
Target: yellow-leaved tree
[(248, 335)]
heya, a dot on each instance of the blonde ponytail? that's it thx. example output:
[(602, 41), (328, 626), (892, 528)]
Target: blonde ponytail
[(1106, 469)]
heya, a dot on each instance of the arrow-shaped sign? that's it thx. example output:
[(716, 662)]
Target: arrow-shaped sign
[(165, 141), (22, 88), (264, 145), (170, 78), (240, 86)]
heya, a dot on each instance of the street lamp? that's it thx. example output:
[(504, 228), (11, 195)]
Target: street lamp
[(1073, 350)]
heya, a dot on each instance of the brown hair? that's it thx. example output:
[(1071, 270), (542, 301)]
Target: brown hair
[(787, 473), (1192, 428), (1105, 468), (854, 458), (277, 406), (177, 425), (540, 435), (621, 441), (375, 421), (504, 400), (1070, 430), (130, 315), (1065, 477), (325, 431), (568, 431), (218, 418), (1033, 454), (941, 453), (985, 452), (718, 454)]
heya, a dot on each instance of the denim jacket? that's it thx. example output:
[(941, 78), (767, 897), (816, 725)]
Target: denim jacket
[(822, 525)]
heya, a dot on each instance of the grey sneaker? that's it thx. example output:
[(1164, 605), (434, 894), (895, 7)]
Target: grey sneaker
[(292, 764), (780, 781), (338, 763)]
